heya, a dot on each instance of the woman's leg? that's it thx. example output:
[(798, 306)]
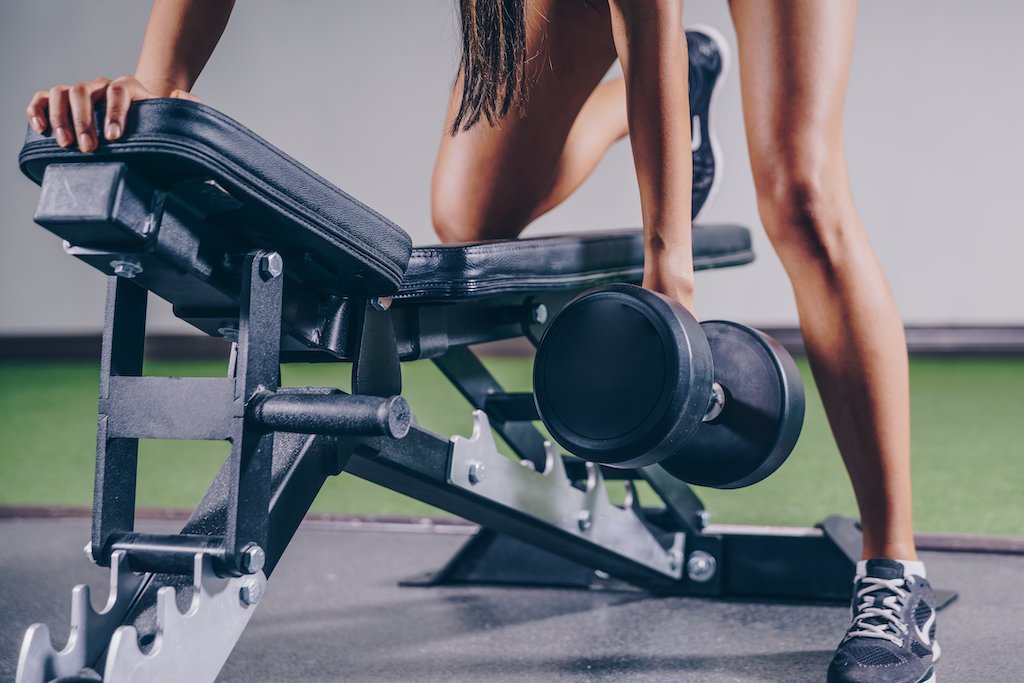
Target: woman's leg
[(794, 62), (492, 181), (601, 123)]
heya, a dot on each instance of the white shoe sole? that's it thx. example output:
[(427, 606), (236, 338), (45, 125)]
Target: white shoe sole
[(716, 149)]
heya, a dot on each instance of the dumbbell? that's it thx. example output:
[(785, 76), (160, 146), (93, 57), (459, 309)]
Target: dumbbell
[(626, 377)]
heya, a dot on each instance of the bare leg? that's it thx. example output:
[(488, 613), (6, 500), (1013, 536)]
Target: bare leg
[(489, 182), (601, 123), (794, 62)]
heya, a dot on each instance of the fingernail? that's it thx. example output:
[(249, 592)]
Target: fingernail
[(84, 142), (113, 130), (63, 139), (37, 124)]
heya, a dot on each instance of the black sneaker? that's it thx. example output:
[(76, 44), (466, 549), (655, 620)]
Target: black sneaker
[(709, 60), (892, 637)]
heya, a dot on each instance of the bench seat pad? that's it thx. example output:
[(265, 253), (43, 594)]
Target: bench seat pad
[(555, 262), (272, 200), (267, 199)]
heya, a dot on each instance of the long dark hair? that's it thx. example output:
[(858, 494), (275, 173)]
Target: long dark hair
[(493, 60)]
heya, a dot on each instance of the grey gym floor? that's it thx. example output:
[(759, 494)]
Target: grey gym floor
[(334, 612)]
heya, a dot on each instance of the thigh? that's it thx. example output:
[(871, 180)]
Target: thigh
[(489, 181), (794, 64)]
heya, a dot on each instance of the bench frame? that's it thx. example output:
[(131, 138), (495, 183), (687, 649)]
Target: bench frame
[(549, 511)]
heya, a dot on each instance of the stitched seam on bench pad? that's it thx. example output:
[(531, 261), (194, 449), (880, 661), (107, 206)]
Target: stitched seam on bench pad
[(480, 286)]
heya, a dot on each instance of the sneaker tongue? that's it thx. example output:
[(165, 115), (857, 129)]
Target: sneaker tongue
[(884, 569)]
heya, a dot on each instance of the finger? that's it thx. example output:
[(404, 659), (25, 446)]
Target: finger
[(58, 103), (184, 95), (36, 111), (81, 117), (82, 98), (119, 100)]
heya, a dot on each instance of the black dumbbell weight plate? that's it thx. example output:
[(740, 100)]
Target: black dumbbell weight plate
[(762, 418), (616, 376)]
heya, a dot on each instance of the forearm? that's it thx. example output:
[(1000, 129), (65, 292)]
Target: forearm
[(651, 46), (180, 37)]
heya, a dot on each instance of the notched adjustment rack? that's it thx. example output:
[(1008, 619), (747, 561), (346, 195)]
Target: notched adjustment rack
[(551, 497), (191, 645)]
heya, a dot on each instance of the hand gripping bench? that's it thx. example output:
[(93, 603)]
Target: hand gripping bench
[(249, 245)]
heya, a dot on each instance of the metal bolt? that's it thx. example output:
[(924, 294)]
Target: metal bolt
[(701, 567), (539, 314), (675, 559), (476, 473), (703, 519), (585, 520), (229, 333), (380, 303), (716, 402), (271, 265), (126, 269), (253, 558), (251, 592)]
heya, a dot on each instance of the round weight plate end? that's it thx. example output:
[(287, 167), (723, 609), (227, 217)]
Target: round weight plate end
[(614, 376), (762, 416)]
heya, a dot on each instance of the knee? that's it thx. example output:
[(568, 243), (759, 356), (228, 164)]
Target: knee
[(805, 208), (451, 214), (449, 227), (466, 213)]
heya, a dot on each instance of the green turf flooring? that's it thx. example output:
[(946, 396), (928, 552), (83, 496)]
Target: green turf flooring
[(968, 435)]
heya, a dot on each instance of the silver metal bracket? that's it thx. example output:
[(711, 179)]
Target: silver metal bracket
[(549, 496), (90, 634), (188, 647), (192, 646)]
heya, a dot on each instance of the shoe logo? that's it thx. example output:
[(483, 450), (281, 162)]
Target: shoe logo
[(925, 636), (695, 134)]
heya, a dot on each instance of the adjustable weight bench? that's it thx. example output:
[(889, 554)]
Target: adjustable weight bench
[(249, 245)]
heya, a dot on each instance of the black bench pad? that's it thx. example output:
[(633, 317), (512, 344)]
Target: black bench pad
[(240, 182), (555, 262), (271, 201)]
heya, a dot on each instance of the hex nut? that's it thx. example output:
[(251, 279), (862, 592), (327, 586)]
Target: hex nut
[(229, 333), (253, 558), (585, 520), (674, 560), (251, 592), (126, 268), (271, 265), (381, 303), (701, 567)]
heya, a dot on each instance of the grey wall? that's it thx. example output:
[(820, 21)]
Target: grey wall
[(356, 91)]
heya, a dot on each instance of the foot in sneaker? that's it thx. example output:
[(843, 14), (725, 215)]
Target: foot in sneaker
[(892, 637), (709, 60)]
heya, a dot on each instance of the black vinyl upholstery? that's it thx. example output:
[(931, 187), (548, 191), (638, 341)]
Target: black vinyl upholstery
[(234, 179), (555, 262), (274, 201)]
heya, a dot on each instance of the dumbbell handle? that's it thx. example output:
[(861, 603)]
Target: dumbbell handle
[(716, 403)]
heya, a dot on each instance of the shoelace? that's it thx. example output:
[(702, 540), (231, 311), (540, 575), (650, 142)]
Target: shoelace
[(880, 622)]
